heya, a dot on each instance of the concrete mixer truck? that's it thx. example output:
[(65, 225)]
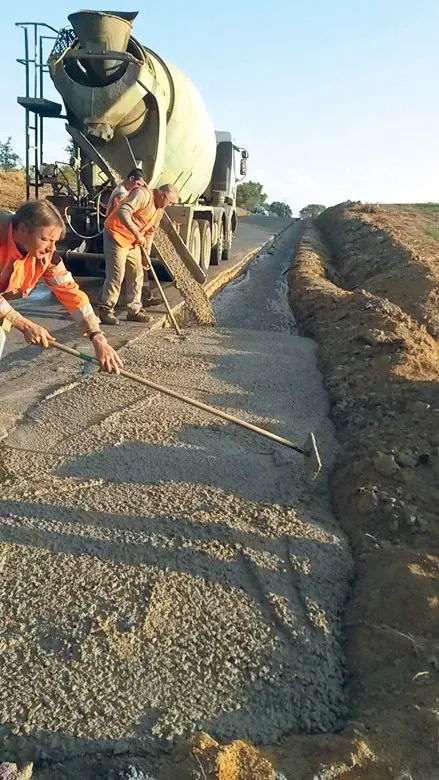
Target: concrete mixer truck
[(126, 107)]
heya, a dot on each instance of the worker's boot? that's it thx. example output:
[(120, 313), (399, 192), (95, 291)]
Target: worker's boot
[(107, 316), (148, 299), (138, 316)]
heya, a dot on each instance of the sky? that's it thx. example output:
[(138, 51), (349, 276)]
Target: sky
[(334, 99)]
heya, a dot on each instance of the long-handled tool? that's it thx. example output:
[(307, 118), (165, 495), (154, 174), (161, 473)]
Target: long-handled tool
[(163, 296), (313, 463)]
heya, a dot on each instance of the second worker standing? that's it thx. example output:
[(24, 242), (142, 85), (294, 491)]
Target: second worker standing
[(128, 228)]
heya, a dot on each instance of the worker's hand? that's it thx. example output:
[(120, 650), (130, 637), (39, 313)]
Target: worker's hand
[(33, 333), (142, 242), (107, 356)]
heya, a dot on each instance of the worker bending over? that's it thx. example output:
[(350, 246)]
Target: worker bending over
[(28, 255)]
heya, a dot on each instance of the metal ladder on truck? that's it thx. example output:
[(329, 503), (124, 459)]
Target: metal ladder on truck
[(36, 106)]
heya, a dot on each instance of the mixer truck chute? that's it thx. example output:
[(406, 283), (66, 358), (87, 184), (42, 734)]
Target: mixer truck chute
[(126, 107)]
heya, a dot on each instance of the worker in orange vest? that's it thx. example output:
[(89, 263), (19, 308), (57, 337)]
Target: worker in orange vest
[(27, 255), (135, 178), (130, 227)]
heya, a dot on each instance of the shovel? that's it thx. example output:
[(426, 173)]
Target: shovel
[(313, 463)]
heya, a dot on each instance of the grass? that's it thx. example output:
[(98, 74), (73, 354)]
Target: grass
[(433, 232), (427, 206), (419, 206)]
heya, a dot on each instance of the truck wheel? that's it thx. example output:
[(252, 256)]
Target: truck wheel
[(206, 244), (218, 249), (195, 241)]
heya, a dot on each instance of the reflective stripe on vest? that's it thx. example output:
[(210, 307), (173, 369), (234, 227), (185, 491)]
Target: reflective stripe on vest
[(144, 219)]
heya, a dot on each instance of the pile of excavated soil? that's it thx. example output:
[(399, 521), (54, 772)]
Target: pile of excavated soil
[(369, 303), (392, 251)]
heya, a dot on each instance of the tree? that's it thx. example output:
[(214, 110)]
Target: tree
[(9, 160), (280, 209), (249, 195), (70, 148), (312, 210)]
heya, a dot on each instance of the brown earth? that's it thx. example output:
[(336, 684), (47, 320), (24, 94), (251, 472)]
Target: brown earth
[(370, 305), (12, 189)]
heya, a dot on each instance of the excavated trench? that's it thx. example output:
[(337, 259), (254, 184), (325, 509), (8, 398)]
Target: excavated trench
[(177, 573)]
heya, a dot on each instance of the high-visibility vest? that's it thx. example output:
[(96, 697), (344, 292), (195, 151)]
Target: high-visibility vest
[(146, 219), (19, 275)]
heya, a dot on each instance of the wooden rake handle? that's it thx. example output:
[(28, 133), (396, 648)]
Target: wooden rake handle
[(162, 294)]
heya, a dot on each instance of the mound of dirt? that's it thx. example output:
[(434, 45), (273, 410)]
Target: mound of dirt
[(216, 762), (369, 303), (393, 251)]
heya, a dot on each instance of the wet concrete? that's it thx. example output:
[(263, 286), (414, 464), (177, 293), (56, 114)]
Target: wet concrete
[(177, 572)]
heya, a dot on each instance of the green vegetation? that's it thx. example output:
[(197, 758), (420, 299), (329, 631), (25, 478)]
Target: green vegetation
[(250, 195), (280, 209), (312, 210), (9, 159), (433, 232), (418, 206)]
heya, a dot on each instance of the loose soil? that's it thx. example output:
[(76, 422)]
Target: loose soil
[(12, 189), (364, 285)]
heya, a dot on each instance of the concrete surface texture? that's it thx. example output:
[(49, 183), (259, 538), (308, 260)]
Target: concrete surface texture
[(28, 373), (175, 571)]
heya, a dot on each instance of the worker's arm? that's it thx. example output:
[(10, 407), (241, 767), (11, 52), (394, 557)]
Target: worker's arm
[(33, 333), (119, 193), (61, 282), (148, 238), (138, 199)]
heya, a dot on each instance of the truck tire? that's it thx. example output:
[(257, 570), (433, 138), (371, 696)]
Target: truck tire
[(206, 244), (195, 241), (218, 249)]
